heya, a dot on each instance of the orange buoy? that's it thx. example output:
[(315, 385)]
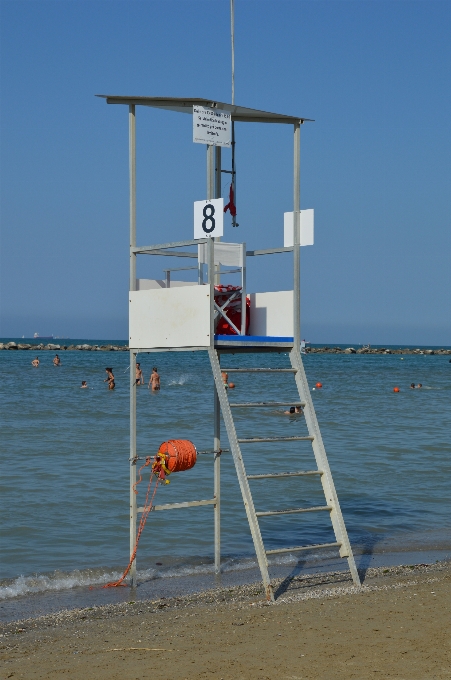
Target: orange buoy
[(179, 454), (319, 385), (396, 389), (231, 385)]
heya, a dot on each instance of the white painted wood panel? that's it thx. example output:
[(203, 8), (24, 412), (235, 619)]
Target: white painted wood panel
[(272, 314), (306, 237), (170, 317)]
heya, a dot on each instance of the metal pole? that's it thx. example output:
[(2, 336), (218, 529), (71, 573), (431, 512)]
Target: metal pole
[(234, 223), (133, 505), (210, 171), (232, 26), (296, 238), (132, 172), (243, 289), (218, 178), (211, 283), (217, 479)]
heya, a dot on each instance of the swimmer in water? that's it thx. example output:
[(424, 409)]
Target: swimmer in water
[(294, 410), (35, 362), (110, 379), (57, 360), (83, 385), (225, 378), (139, 375), (154, 380), (419, 385), (412, 386)]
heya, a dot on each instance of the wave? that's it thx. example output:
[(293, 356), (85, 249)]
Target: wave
[(59, 581), (40, 583), (182, 380)]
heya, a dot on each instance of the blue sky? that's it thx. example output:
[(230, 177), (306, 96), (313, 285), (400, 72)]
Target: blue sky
[(376, 163)]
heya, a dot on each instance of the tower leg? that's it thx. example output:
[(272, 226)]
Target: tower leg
[(133, 504), (217, 480)]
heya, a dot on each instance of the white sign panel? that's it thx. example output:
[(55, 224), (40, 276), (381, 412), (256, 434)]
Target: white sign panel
[(228, 254), (306, 224), (209, 218), (212, 126)]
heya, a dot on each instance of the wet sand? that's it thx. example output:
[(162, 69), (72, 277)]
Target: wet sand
[(396, 626)]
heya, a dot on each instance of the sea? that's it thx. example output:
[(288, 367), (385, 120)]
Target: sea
[(65, 472)]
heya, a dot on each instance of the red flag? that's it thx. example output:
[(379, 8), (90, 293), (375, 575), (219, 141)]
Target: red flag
[(231, 204)]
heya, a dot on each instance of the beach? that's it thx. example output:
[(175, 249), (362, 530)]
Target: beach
[(395, 626)]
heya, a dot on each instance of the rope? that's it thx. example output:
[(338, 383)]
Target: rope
[(147, 508), (180, 454), (199, 453)]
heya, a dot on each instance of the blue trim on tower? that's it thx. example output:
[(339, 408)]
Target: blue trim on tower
[(252, 339)]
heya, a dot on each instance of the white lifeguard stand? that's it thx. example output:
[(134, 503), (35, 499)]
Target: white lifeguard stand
[(170, 315)]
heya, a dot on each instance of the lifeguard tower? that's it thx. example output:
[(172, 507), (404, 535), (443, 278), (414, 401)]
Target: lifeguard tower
[(167, 316)]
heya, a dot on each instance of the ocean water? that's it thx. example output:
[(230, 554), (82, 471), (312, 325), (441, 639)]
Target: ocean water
[(64, 461)]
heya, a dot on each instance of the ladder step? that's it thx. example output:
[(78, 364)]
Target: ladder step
[(275, 439), (267, 403), (259, 370), (293, 510), (301, 473), (175, 506), (303, 547)]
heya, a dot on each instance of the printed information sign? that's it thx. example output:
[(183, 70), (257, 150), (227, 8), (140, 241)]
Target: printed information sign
[(212, 126)]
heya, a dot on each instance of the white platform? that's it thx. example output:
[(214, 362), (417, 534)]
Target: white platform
[(180, 316)]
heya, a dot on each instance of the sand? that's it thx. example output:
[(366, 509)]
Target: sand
[(396, 626)]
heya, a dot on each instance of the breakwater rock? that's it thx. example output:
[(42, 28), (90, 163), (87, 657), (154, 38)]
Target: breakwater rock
[(58, 348), (374, 350), (309, 350)]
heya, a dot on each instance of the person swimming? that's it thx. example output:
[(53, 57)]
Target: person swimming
[(139, 379), (294, 410), (84, 384), (110, 379), (35, 362), (412, 386), (57, 360), (154, 380)]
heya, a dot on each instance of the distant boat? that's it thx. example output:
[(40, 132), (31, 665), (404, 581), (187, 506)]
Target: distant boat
[(43, 337)]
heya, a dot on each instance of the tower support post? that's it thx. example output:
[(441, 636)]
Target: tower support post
[(132, 286), (296, 237)]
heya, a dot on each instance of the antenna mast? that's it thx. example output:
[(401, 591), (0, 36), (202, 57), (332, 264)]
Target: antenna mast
[(232, 27), (232, 22)]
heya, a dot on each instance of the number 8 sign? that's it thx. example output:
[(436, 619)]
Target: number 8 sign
[(209, 218)]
